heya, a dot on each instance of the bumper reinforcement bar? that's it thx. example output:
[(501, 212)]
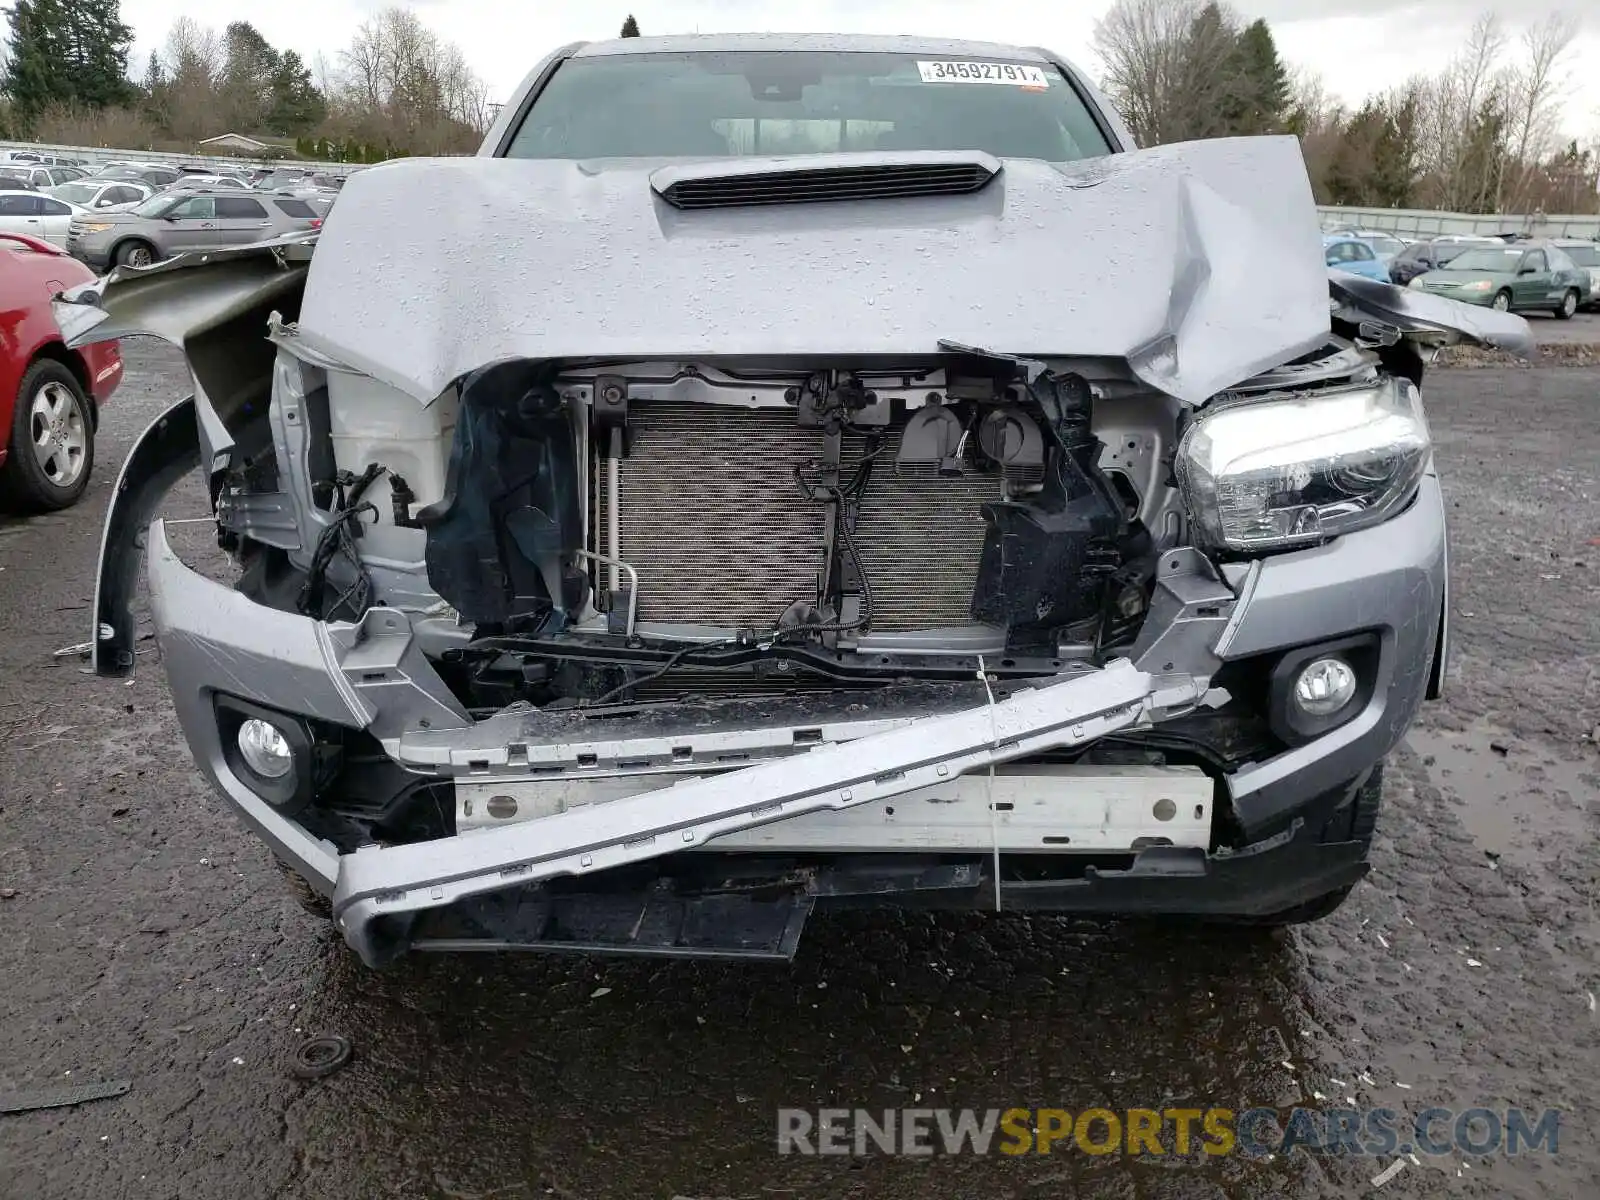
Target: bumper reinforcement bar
[(380, 888)]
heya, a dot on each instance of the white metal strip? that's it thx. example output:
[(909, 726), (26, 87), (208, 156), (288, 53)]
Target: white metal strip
[(1038, 808)]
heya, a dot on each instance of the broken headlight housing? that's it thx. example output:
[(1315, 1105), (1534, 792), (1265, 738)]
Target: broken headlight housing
[(1277, 473)]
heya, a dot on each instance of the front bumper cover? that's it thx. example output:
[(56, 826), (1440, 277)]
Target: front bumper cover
[(372, 676)]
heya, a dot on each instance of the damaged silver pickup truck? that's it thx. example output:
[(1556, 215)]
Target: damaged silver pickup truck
[(781, 472)]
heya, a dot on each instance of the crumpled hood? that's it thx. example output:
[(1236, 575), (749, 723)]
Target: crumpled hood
[(1199, 263)]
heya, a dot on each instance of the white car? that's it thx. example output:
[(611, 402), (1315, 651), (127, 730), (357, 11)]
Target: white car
[(41, 178), (37, 215), (222, 181), (37, 158), (103, 195)]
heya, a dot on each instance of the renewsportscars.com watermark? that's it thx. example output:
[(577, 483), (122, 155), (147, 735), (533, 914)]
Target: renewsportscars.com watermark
[(1254, 1132)]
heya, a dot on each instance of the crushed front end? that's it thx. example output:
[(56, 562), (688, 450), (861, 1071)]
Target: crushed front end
[(658, 655)]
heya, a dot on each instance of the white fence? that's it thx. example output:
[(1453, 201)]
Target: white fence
[(215, 162), (1421, 223)]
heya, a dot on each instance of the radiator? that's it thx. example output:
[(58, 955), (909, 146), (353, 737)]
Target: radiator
[(712, 520)]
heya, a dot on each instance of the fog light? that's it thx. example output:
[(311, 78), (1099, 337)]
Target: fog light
[(264, 749), (1323, 687)]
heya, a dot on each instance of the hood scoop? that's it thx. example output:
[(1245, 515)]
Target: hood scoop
[(820, 178)]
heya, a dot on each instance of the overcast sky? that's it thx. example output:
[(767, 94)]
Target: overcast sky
[(1366, 46)]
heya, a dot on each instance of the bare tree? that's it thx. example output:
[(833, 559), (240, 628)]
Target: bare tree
[(324, 76), (1318, 120), (193, 58), (1461, 108), (1534, 103), (119, 128), (400, 84)]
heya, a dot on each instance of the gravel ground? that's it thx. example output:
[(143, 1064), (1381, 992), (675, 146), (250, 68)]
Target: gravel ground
[(146, 938), (1583, 327)]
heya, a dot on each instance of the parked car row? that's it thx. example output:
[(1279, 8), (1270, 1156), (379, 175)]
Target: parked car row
[(1430, 255), (1513, 276), (84, 212), (1508, 272), (185, 219), (54, 211)]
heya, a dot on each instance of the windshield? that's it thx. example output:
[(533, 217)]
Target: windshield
[(1583, 256), (157, 206), (700, 105), (74, 193), (1484, 259)]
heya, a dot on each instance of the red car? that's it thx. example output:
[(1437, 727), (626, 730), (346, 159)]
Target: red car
[(50, 396)]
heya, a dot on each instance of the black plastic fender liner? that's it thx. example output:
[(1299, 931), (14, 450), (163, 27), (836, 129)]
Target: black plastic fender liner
[(166, 451), (501, 540)]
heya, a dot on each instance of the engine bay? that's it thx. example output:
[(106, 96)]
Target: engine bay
[(893, 518), (617, 534)]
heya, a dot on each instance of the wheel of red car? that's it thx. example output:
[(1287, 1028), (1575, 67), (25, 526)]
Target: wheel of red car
[(1569, 305), (52, 440)]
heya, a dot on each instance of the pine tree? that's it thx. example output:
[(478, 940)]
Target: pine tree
[(246, 93), (295, 103), (67, 53), (99, 58), (630, 27), (34, 77), (156, 99), (1260, 98)]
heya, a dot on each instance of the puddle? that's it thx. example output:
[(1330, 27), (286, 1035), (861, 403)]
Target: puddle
[(1517, 803)]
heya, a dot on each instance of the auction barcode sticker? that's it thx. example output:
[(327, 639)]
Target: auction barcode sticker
[(1016, 74)]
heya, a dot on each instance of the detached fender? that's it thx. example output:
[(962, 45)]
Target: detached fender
[(1426, 317), (218, 308), (166, 451)]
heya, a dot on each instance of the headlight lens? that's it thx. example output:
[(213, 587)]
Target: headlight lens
[(1416, 282), (96, 226), (1477, 285), (1275, 474)]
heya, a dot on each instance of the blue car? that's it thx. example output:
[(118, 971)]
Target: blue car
[(1352, 254)]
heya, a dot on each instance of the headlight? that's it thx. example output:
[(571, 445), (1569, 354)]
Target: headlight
[(1416, 281), (1275, 474), (1477, 285), (96, 227)]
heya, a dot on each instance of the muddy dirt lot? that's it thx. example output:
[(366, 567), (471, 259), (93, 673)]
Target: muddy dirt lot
[(144, 937)]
